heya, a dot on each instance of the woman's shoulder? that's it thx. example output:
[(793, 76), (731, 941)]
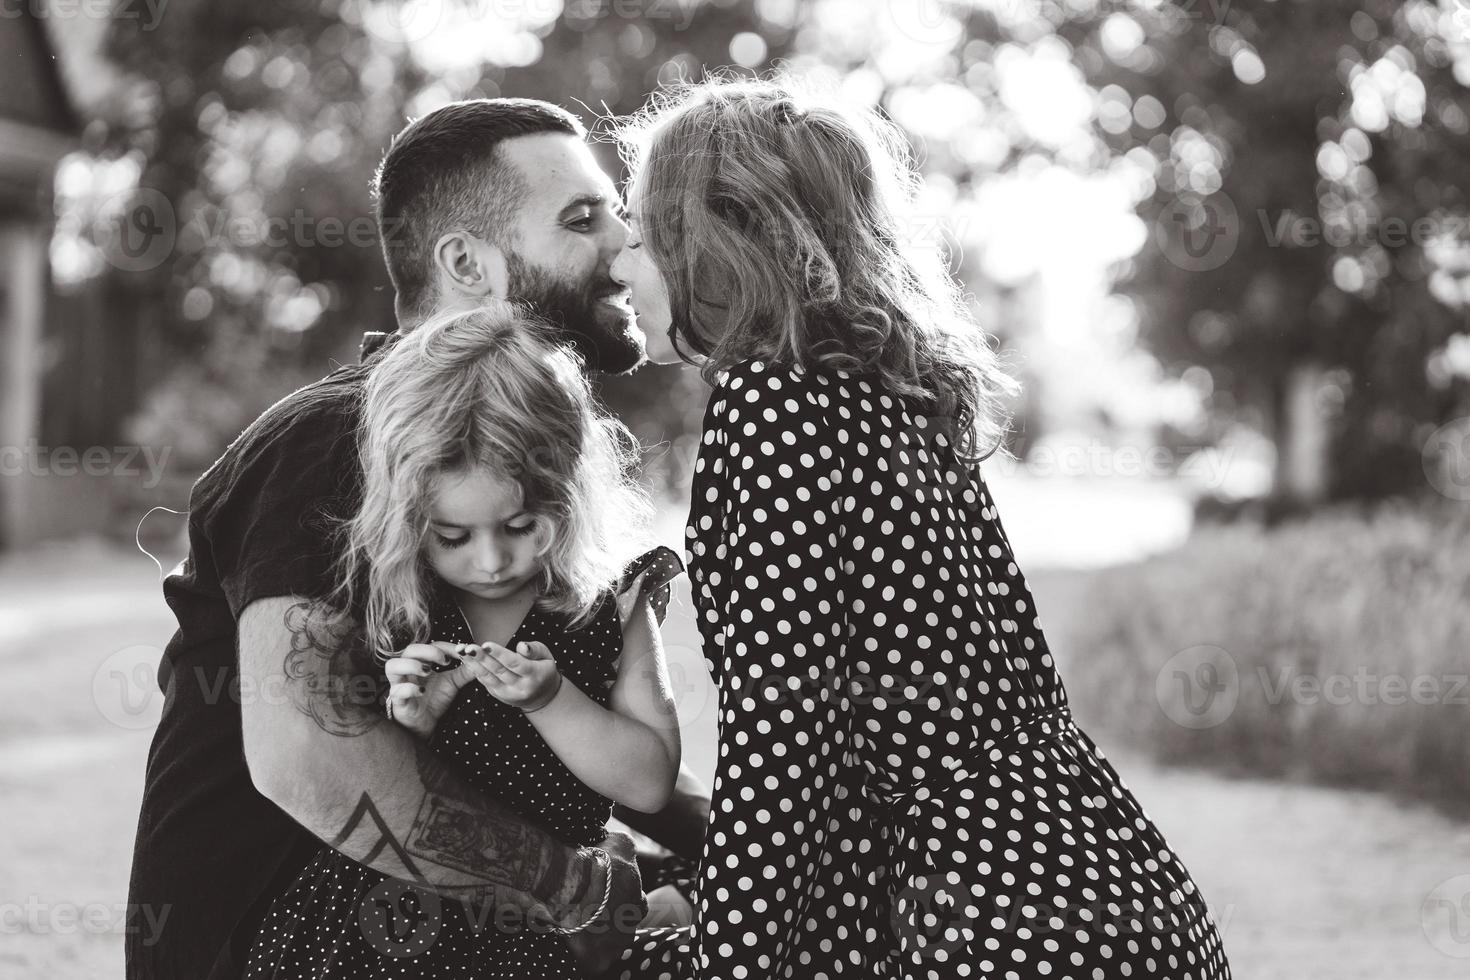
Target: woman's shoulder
[(756, 394), (778, 384)]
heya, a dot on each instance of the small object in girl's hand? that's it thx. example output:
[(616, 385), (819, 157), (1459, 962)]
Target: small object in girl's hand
[(450, 664)]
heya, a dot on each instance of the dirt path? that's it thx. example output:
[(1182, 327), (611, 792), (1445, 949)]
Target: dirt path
[(1306, 883)]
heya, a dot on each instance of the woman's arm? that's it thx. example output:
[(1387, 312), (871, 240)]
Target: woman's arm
[(628, 751), (768, 581)]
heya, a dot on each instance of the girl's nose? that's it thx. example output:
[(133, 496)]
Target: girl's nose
[(489, 560)]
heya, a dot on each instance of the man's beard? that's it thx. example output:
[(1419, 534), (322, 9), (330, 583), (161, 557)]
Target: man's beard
[(604, 336)]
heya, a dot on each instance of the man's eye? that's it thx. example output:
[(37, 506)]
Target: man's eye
[(582, 223)]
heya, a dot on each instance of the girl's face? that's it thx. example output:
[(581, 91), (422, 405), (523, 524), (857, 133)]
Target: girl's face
[(481, 539), (634, 267)]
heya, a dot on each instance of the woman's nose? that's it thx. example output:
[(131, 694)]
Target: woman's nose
[(618, 270)]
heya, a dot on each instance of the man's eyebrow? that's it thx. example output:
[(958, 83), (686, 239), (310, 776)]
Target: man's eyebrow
[(583, 201)]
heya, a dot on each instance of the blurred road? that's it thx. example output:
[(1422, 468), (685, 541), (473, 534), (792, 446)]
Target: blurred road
[(1305, 882)]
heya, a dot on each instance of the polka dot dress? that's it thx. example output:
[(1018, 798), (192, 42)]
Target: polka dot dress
[(340, 919), (900, 789)]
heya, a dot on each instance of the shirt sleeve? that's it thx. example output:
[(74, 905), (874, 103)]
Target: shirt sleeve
[(271, 507), (766, 567)]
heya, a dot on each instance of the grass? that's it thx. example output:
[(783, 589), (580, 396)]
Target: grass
[(1332, 649)]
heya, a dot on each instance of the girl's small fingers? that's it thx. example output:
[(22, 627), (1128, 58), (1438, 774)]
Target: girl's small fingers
[(400, 667), (450, 651), (534, 651), (422, 652), (475, 663), (507, 659), (403, 693)]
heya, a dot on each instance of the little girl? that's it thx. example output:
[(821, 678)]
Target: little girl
[(487, 563)]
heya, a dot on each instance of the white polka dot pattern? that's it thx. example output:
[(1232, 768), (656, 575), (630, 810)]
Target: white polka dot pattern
[(341, 920), (900, 788)]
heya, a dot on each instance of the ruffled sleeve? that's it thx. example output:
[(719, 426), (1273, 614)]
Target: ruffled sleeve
[(651, 574)]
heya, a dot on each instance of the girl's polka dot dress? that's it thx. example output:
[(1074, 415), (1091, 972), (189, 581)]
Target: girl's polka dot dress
[(900, 791), (343, 920)]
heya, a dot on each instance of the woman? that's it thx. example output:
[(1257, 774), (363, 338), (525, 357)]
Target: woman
[(901, 790)]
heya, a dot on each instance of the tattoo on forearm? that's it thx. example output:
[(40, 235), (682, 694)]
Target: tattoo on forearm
[(452, 828), (367, 812), (320, 673)]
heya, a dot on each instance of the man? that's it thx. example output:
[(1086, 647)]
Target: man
[(271, 738)]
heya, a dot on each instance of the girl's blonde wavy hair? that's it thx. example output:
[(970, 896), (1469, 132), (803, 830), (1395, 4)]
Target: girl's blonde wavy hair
[(488, 388), (777, 216)]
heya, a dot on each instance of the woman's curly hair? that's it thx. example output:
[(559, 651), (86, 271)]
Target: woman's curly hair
[(781, 220)]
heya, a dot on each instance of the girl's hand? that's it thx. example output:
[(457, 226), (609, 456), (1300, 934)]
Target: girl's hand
[(524, 678), (417, 695)]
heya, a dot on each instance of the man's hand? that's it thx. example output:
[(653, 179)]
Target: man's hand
[(598, 947)]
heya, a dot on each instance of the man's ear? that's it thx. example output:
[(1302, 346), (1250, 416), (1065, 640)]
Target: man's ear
[(470, 266)]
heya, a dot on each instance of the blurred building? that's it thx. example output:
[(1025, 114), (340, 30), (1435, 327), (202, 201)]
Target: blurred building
[(37, 126)]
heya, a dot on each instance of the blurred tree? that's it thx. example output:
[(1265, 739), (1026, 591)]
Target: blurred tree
[(254, 131), (1308, 211), (1299, 169)]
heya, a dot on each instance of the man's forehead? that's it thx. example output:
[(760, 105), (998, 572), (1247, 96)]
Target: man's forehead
[(557, 168)]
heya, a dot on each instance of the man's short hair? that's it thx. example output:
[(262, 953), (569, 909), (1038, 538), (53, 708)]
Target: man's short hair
[(444, 172)]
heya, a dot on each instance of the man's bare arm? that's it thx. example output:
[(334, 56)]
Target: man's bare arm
[(326, 755)]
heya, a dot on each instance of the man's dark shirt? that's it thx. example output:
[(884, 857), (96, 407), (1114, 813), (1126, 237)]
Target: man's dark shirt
[(212, 853)]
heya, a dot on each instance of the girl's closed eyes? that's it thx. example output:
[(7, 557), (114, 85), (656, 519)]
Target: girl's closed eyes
[(514, 530)]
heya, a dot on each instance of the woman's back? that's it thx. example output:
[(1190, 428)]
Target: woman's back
[(945, 650), (893, 729)]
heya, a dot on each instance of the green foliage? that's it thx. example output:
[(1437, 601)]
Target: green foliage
[(1335, 132), (1346, 636), (1350, 114)]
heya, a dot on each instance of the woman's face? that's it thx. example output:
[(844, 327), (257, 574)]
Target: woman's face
[(481, 539), (634, 267)]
